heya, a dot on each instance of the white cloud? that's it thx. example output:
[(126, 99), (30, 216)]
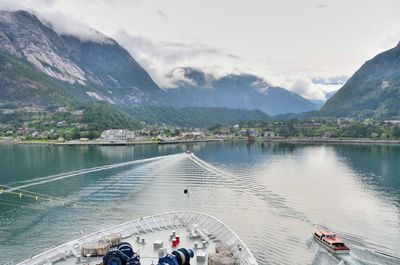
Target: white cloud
[(305, 86), (60, 22), (161, 58), (12, 5), (330, 80), (66, 25)]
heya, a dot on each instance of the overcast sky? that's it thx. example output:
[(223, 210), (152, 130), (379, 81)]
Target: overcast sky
[(307, 46)]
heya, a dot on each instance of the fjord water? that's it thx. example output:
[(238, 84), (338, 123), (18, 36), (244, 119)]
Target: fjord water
[(272, 195)]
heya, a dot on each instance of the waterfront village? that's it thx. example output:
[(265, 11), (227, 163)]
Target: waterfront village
[(150, 135), (335, 129), (66, 125)]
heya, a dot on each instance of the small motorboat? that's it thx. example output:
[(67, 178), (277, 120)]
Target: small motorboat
[(329, 241)]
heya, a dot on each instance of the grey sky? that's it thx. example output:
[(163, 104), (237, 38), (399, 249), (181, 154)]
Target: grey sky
[(288, 42)]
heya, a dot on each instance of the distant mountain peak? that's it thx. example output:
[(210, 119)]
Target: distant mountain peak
[(192, 77), (244, 91), (199, 77)]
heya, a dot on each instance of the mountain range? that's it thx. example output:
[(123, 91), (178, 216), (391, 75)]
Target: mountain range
[(40, 66), (242, 91)]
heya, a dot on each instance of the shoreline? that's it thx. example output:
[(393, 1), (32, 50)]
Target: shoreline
[(97, 143), (335, 141), (361, 141)]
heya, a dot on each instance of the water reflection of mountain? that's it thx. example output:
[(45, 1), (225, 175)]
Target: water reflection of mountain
[(378, 165)]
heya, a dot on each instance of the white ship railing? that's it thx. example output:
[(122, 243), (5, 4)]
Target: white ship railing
[(147, 224)]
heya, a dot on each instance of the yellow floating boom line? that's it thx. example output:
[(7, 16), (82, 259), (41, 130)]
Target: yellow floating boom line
[(43, 197)]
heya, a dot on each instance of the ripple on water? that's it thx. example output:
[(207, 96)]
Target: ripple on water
[(273, 206)]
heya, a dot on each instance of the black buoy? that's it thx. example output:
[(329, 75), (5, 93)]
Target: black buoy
[(185, 191)]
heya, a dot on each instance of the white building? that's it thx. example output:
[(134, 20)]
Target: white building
[(393, 121), (268, 135), (117, 136), (193, 136)]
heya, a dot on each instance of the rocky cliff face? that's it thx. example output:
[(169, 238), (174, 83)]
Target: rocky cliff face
[(24, 36), (102, 66)]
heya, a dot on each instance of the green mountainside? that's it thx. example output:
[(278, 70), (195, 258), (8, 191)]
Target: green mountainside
[(90, 119), (21, 81), (195, 116), (102, 116), (373, 91)]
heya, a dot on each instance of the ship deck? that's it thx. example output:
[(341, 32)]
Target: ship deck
[(197, 231), (150, 254)]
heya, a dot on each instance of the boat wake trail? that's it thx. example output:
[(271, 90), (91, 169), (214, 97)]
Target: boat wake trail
[(363, 252), (256, 188), (352, 260), (357, 256), (52, 178), (368, 257)]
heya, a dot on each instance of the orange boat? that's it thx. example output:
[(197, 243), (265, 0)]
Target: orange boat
[(328, 240)]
